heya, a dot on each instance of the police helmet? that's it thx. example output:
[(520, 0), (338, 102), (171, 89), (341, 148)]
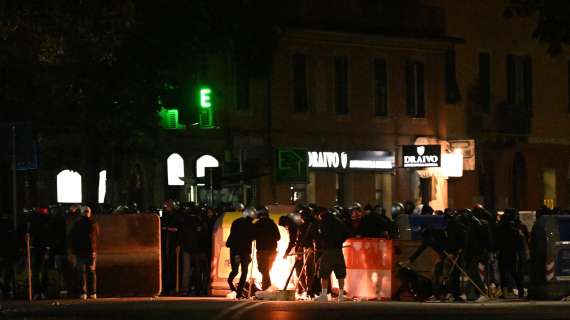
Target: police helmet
[(262, 211), (238, 206), (249, 212), (397, 209), (356, 206)]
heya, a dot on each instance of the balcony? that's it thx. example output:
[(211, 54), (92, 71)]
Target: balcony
[(512, 119)]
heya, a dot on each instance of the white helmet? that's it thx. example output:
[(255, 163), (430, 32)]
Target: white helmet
[(249, 212)]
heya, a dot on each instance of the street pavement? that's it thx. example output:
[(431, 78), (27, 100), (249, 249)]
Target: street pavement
[(218, 309)]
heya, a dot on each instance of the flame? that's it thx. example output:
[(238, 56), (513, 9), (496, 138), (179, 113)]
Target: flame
[(281, 267)]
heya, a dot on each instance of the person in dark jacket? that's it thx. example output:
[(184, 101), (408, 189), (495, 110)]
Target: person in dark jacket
[(239, 242), (83, 245), (191, 234), (445, 274), (8, 257), (477, 245), (209, 220), (41, 247), (60, 251), (170, 222), (374, 224), (307, 244), (266, 238), (73, 287), (512, 251), (332, 234), (288, 222)]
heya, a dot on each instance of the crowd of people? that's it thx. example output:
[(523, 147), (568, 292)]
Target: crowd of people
[(186, 234), (481, 253), (316, 237), (60, 241), (64, 242)]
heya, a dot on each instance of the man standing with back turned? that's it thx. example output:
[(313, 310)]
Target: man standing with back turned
[(239, 242), (332, 234), (266, 238), (84, 234)]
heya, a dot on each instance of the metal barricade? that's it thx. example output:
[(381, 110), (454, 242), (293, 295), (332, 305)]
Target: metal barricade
[(128, 255), (550, 257)]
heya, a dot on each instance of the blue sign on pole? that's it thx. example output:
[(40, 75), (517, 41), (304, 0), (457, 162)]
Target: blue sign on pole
[(26, 148)]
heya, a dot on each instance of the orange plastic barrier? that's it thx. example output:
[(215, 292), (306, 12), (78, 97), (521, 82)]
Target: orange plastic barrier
[(369, 267), (128, 255)]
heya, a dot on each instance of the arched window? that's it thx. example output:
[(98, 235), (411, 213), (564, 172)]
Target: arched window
[(68, 187), (175, 167), (102, 185), (205, 161)]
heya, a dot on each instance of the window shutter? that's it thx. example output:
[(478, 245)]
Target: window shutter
[(341, 85), (300, 83), (511, 79), (421, 108), (485, 81), (568, 93), (410, 90), (528, 83), (242, 87), (451, 87), (380, 88), (172, 119)]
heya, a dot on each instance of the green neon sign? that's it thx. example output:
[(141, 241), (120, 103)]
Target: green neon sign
[(205, 98)]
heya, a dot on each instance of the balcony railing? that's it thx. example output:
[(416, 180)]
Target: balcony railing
[(512, 119)]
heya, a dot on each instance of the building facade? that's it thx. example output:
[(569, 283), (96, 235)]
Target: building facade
[(515, 104), (364, 79)]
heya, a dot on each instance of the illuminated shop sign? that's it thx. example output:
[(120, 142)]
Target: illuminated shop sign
[(421, 156), (351, 160)]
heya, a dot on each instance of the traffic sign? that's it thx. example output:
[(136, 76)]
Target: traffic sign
[(291, 165), (26, 149)]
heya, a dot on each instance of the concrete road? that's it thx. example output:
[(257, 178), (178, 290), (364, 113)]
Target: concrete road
[(217, 309)]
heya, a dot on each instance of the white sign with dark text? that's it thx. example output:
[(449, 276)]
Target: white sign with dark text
[(421, 156)]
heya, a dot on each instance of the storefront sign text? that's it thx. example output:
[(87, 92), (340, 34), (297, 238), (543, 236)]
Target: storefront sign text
[(421, 156), (358, 160)]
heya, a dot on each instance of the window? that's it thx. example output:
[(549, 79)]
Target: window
[(451, 88), (102, 186), (205, 161), (415, 97), (485, 81), (341, 85), (380, 88), (300, 83), (568, 86), (175, 168), (549, 187), (383, 187), (69, 187), (169, 119), (242, 88), (519, 80)]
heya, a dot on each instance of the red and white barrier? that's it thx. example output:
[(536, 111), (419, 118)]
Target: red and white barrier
[(369, 267)]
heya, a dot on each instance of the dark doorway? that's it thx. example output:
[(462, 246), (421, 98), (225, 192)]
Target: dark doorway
[(426, 190)]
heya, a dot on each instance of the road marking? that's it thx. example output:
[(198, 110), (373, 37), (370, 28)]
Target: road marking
[(241, 312), (234, 308)]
